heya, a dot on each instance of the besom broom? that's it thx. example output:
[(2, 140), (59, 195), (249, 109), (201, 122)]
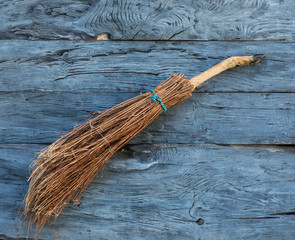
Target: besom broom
[(64, 169)]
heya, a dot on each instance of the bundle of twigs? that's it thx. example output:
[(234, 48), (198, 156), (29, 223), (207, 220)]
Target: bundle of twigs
[(65, 168)]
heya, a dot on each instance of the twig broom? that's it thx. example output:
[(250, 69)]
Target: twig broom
[(65, 168)]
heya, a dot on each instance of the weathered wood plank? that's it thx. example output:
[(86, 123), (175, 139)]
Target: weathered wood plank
[(166, 191), (135, 19), (224, 118), (47, 87), (138, 66)]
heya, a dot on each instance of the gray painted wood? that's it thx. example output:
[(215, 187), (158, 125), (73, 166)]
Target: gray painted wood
[(135, 19), (181, 190), (225, 118), (138, 66), (165, 192), (47, 87)]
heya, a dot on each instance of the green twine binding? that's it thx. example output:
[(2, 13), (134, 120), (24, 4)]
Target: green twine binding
[(156, 98)]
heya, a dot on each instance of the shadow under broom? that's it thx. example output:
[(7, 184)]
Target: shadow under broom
[(64, 169)]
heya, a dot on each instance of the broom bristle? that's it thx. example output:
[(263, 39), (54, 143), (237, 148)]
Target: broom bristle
[(65, 168)]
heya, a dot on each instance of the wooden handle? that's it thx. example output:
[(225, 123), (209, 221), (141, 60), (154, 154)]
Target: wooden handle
[(231, 62)]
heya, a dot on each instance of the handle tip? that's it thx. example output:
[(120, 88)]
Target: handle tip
[(257, 58)]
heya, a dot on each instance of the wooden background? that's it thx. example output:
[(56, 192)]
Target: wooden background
[(220, 166)]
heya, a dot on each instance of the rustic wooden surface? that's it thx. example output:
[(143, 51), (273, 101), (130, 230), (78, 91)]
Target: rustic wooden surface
[(169, 192), (137, 20), (59, 83), (220, 166)]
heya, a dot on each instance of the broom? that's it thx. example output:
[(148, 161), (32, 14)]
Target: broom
[(64, 169)]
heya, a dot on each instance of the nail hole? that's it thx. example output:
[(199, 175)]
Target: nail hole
[(200, 221)]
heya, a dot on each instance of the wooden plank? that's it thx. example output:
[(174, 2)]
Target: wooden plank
[(168, 191), (224, 118), (47, 87), (138, 66), (146, 20)]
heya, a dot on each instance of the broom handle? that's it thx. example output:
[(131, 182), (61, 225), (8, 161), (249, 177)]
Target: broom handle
[(231, 62)]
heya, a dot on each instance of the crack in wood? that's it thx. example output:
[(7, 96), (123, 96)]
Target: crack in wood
[(284, 213)]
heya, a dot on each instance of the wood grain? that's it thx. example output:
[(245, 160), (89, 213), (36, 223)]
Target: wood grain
[(168, 191), (68, 66), (224, 118), (47, 87), (192, 174), (146, 20)]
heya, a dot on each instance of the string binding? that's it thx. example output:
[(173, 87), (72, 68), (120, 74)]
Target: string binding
[(156, 98)]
